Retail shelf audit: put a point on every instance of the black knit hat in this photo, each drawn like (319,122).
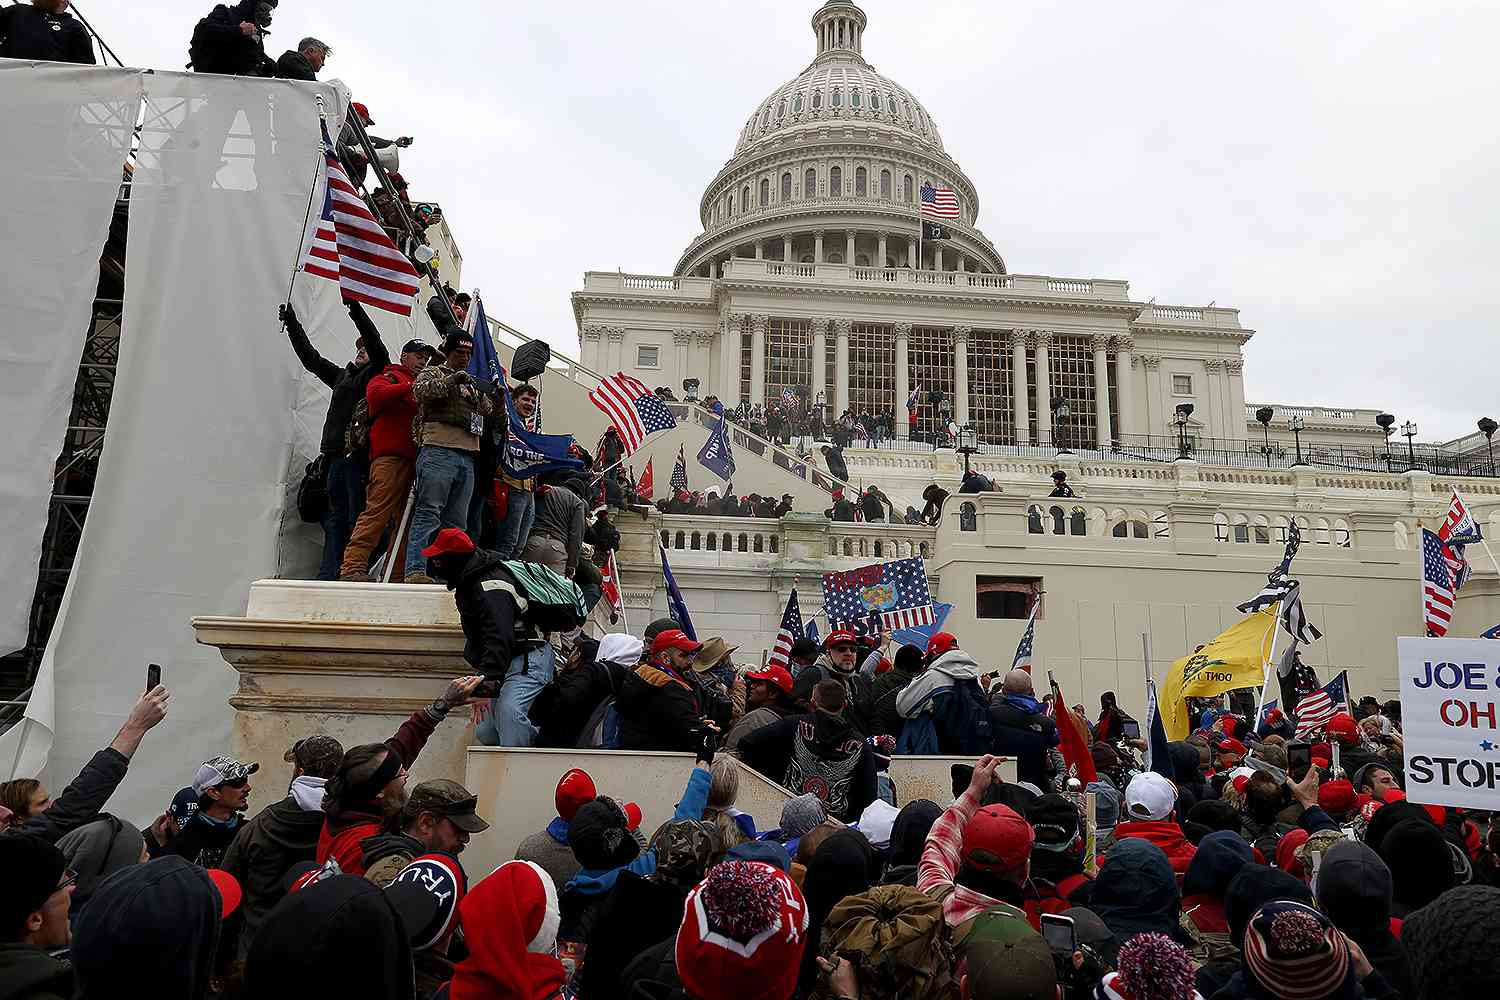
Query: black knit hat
(600,835)
(1055,821)
(32,867)
(1451,941)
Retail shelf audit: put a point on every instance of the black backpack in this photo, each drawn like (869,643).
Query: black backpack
(312,493)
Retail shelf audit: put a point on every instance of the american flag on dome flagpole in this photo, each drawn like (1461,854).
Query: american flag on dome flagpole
(790,632)
(1314,711)
(350,247)
(633,408)
(1437,586)
(895,591)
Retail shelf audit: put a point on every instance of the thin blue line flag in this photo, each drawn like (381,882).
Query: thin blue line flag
(676,607)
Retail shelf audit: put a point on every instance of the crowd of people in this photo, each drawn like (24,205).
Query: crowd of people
(1223,871)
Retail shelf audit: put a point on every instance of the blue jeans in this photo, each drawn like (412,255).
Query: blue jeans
(345,482)
(445,480)
(508,725)
(520,514)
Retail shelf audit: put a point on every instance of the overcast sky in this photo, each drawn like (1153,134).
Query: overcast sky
(1328,167)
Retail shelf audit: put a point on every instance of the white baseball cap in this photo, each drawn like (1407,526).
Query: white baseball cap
(1149,796)
(221,770)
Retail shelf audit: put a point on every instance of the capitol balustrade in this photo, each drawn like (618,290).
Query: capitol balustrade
(901,277)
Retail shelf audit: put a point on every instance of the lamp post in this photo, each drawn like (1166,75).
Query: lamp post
(1295,425)
(1184,410)
(1264,415)
(822,405)
(1487,427)
(1409,431)
(1386,422)
(968,444)
(1059,414)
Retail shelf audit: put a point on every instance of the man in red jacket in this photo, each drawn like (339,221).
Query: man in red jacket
(393,457)
(1150,802)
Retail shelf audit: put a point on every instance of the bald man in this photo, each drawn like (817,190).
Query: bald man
(1022,731)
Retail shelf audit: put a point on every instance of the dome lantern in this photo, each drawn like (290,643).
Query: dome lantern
(839,27)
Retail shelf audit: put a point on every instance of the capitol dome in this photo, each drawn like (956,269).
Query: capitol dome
(827,168)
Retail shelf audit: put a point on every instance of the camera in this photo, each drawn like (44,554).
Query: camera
(263,11)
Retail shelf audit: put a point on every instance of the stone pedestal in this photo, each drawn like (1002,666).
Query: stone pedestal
(351,661)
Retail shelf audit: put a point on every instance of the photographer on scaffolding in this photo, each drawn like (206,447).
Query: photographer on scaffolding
(231,40)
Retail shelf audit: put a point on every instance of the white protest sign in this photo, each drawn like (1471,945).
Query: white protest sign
(1450,720)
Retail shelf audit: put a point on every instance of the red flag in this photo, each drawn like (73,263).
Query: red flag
(611,577)
(1075,739)
(647,485)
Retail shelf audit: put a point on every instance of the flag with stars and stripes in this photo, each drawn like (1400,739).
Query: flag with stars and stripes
(939,202)
(633,408)
(1314,711)
(1437,586)
(1459,529)
(1028,640)
(1294,620)
(790,632)
(789,396)
(353,249)
(679,481)
(1278,583)
(895,593)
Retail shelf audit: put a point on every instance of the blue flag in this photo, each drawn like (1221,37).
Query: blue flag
(484,363)
(1158,758)
(716,455)
(922,634)
(811,631)
(676,607)
(1492,633)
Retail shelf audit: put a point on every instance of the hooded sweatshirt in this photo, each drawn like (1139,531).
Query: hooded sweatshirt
(1219,858)
(1254,886)
(950,689)
(510,925)
(97,850)
(1136,891)
(908,837)
(1420,862)
(597,881)
(155,924)
(1165,834)
(1354,890)
(283,834)
(29,973)
(337,938)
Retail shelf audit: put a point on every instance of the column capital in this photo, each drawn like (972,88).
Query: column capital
(758,322)
(820,324)
(1149,361)
(1213,365)
(1100,341)
(961,333)
(901,330)
(843,327)
(1018,338)
(616,334)
(682,337)
(820,233)
(1234,366)
(851,233)
(703,338)
(1042,338)
(593,332)
(1124,342)
(734,318)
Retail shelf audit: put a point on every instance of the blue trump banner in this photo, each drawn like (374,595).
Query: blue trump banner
(716,455)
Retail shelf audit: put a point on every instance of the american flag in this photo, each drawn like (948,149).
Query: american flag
(1314,711)
(1024,647)
(1437,586)
(789,396)
(679,481)
(790,632)
(610,574)
(1459,529)
(632,408)
(913,398)
(894,592)
(350,247)
(939,203)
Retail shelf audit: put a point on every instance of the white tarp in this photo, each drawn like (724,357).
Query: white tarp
(67,135)
(208,402)
(1450,720)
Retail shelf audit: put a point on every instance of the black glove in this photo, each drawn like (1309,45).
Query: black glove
(286,314)
(707,742)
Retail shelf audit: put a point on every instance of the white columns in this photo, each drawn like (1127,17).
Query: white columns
(729,360)
(911,254)
(1234,372)
(1156,394)
(1018,368)
(616,350)
(841,366)
(758,358)
(786,249)
(1125,382)
(849,253)
(1210,410)
(760,249)
(701,361)
(682,341)
(903,377)
(961,374)
(818,247)
(1101,390)
(962,263)
(1044,429)
(819,359)
(882,251)
(937,256)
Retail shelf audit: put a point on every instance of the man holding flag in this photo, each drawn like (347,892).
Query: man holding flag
(1235,659)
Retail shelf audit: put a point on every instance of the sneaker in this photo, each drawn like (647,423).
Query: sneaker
(356,577)
(420,578)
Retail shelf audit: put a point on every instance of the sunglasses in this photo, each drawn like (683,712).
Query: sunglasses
(237,783)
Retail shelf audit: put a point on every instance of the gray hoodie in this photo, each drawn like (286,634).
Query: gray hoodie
(948,669)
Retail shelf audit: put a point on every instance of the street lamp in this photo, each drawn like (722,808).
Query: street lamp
(1264,415)
(1295,425)
(968,444)
(1386,421)
(1409,431)
(1059,414)
(1184,410)
(822,404)
(1487,427)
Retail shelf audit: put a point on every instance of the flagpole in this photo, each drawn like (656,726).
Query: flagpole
(1266,669)
(395,545)
(1422,576)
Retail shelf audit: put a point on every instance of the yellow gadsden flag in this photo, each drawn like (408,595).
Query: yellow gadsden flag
(1236,659)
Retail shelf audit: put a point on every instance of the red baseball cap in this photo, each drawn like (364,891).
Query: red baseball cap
(997,839)
(674,638)
(941,642)
(1230,745)
(449,541)
(840,638)
(230,893)
(1343,727)
(775,674)
(632,815)
(1274,716)
(364,112)
(573,789)
(1337,796)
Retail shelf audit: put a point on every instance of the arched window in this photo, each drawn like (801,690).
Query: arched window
(817,99)
(745,198)
(835,182)
(1078,522)
(875,100)
(765,192)
(680,537)
(729,204)
(885,184)
(760,543)
(854,98)
(1241,529)
(861,182)
(781,110)
(838,97)
(810,183)
(1034,520)
(666,540)
(1341,534)
(786,186)
(697,541)
(906,189)
(744,542)
(713,542)
(879,549)
(1221,528)
(797,105)
(1262,530)
(968,517)
(902,107)
(1059,521)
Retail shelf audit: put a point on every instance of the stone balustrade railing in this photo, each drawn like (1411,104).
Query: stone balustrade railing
(1012,284)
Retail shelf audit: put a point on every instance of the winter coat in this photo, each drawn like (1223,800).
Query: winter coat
(293,65)
(1165,834)
(549,849)
(560,515)
(1219,858)
(884,689)
(1136,891)
(344,832)
(858,688)
(819,753)
(28,32)
(941,690)
(218,45)
(1023,732)
(637,913)
(1248,891)
(494,633)
(279,836)
(1354,891)
(347,384)
(908,837)
(569,700)
(340,937)
(652,975)
(660,709)
(29,973)
(201,841)
(96,851)
(756,719)
(392,408)
(156,923)
(81,801)
(452,409)
(385,854)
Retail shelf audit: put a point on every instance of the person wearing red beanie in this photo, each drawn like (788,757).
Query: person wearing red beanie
(510,923)
(743,932)
(1337,799)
